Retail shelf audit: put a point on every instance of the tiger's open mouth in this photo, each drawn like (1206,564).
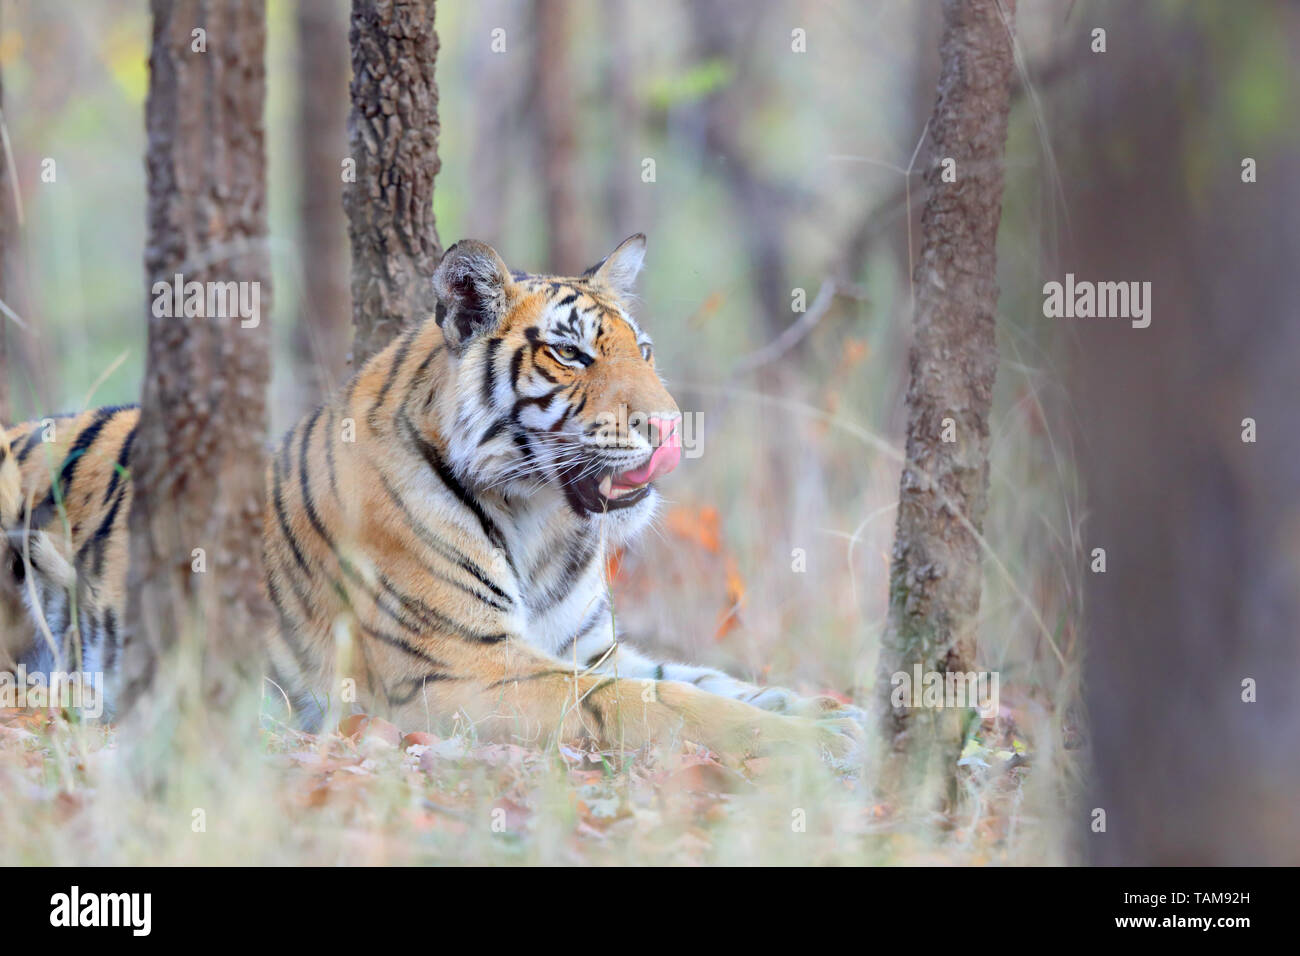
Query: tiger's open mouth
(606,491)
(597,491)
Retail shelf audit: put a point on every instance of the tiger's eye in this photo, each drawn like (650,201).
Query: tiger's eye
(566,352)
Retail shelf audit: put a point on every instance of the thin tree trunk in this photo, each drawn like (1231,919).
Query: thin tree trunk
(197,458)
(557,136)
(393,137)
(935,576)
(321,334)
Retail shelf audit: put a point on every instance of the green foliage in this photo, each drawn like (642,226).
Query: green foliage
(679,87)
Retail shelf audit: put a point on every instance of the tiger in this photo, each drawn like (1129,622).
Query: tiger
(436,534)
(65,494)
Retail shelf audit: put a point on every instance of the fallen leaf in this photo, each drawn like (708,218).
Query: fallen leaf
(364,727)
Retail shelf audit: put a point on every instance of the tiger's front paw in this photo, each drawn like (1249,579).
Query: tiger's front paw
(825,707)
(841,740)
(779,700)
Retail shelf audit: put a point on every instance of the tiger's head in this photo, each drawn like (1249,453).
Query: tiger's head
(556,383)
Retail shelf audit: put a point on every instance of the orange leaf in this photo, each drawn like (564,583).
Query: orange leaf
(364,727)
(698,525)
(613,564)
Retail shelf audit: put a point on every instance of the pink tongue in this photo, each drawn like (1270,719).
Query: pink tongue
(664,460)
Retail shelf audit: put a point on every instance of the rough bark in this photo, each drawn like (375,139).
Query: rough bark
(197,459)
(935,572)
(321,333)
(555,118)
(393,137)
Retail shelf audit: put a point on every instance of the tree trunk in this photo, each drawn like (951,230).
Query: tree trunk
(557,137)
(935,574)
(1193,713)
(393,137)
(321,334)
(197,458)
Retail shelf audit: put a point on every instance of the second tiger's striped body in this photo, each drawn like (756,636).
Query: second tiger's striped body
(65,494)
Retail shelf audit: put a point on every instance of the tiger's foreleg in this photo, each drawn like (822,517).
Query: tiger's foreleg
(509,690)
(627,662)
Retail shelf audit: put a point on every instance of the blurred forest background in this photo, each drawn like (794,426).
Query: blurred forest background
(778,170)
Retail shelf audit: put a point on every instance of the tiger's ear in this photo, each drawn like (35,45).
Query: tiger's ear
(473,288)
(618,270)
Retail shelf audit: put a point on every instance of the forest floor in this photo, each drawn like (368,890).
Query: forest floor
(371,795)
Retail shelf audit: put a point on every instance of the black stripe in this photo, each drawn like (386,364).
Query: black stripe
(493,430)
(539,400)
(353,382)
(559,422)
(423,613)
(371,673)
(592,619)
(123,459)
(592,710)
(431,540)
(489,370)
(579,556)
(525,678)
(440,468)
(110,638)
(304,483)
(403,645)
(516,363)
(594,659)
(85,438)
(288,630)
(417,685)
(99,541)
(393,371)
(313,517)
(32,440)
(277,499)
(433,618)
(418,374)
(62,481)
(521,440)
